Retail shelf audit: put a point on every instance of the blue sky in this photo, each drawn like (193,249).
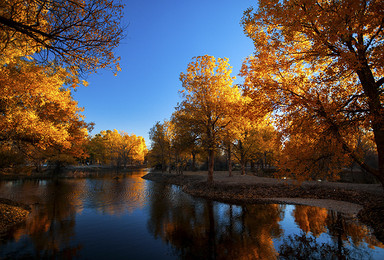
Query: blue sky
(162,37)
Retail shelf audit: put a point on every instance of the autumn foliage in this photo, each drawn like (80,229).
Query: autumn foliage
(45,46)
(39,117)
(117,148)
(213,120)
(79,35)
(318,69)
(312,99)
(210,102)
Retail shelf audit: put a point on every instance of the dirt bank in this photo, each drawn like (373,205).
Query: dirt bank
(365,201)
(11,213)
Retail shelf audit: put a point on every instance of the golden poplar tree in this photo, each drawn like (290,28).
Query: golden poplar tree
(256,142)
(160,151)
(37,112)
(319,66)
(118,148)
(35,105)
(209,101)
(186,143)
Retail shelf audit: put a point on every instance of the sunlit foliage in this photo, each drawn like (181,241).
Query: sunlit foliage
(214,116)
(117,148)
(256,142)
(35,106)
(318,69)
(44,46)
(159,154)
(77,34)
(38,115)
(210,102)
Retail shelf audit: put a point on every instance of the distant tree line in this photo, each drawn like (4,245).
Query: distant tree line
(116,148)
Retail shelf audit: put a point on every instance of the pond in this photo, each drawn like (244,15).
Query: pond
(131,218)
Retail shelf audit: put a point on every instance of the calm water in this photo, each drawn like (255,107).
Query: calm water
(132,218)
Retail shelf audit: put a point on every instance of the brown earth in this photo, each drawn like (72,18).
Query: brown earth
(12,213)
(364,201)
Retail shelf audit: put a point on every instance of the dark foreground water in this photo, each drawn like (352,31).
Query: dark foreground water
(131,218)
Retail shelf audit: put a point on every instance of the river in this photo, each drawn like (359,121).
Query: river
(132,218)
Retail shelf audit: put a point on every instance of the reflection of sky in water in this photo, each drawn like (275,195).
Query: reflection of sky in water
(122,236)
(288,222)
(137,219)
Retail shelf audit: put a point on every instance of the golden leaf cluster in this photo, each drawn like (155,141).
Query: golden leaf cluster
(117,148)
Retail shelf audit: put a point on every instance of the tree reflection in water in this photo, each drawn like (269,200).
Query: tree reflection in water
(201,229)
(68,212)
(51,223)
(210,230)
(50,228)
(346,236)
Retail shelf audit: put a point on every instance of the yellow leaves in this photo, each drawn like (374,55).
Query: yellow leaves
(84,83)
(118,147)
(213,110)
(306,72)
(75,33)
(35,106)
(117,69)
(307,29)
(311,219)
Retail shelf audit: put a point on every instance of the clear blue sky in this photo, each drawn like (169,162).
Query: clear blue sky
(162,37)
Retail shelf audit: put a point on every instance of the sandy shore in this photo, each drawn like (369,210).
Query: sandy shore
(365,201)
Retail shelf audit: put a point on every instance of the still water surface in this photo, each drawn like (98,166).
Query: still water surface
(131,218)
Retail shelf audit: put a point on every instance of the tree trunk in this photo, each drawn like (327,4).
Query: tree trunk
(379,138)
(372,90)
(242,158)
(229,160)
(163,166)
(380,175)
(211,161)
(193,161)
(170,161)
(38,166)
(265,160)
(243,167)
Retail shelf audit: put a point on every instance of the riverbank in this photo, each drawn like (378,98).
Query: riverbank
(365,201)
(12,213)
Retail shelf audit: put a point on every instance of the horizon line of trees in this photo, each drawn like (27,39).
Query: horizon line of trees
(109,148)
(116,148)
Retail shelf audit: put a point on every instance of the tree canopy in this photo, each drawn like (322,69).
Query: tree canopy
(76,34)
(35,106)
(38,116)
(117,148)
(318,65)
(210,101)
(45,45)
